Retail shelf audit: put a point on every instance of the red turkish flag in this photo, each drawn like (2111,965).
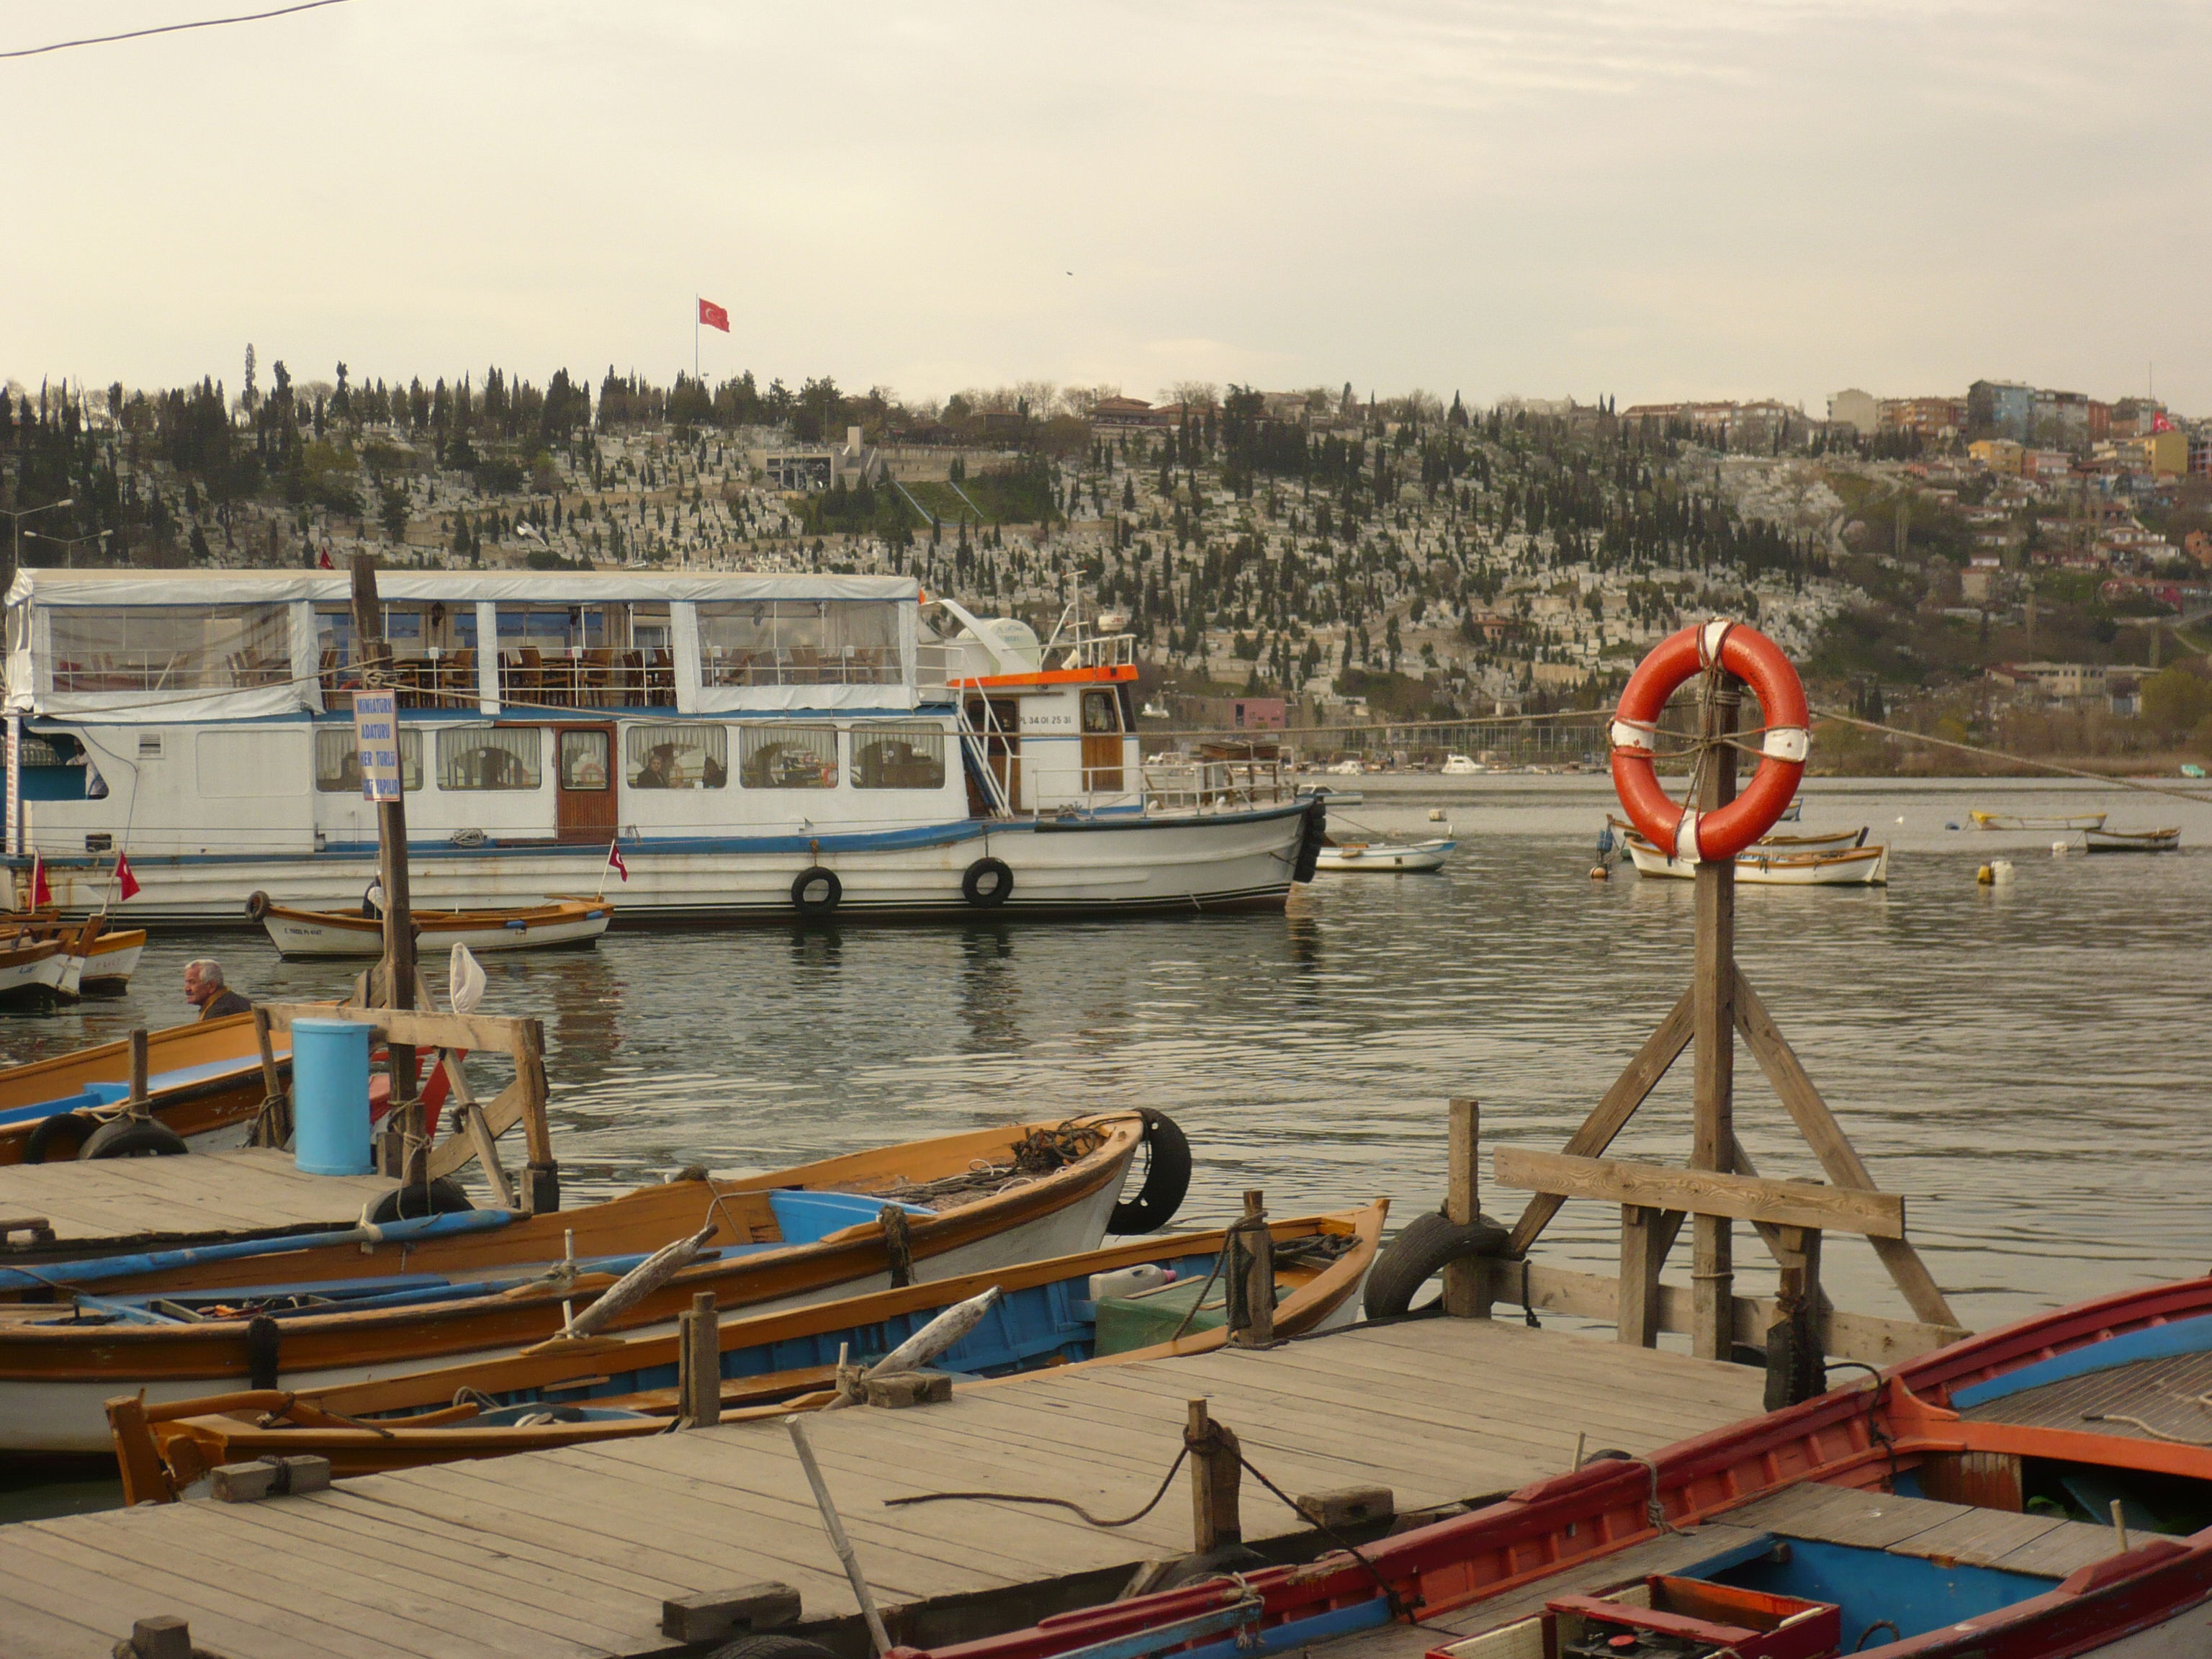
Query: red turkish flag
(615,861)
(41,894)
(713,316)
(127,883)
(2159,423)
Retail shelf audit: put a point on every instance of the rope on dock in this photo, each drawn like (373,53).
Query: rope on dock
(1057,1503)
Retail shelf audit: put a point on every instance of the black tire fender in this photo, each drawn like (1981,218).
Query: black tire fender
(1000,880)
(405,1203)
(1420,1252)
(257,905)
(1311,840)
(804,899)
(1167,1178)
(61,1136)
(772,1644)
(131,1137)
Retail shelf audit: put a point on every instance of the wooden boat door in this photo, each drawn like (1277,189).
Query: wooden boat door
(1102,743)
(584,780)
(999,723)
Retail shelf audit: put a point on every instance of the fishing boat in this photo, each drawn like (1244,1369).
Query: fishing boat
(1145,1299)
(2131,841)
(99,957)
(2040,1491)
(31,973)
(761,746)
(371,1303)
(204,1081)
(1462,766)
(1382,858)
(1830,840)
(1763,865)
(2015,821)
(558,922)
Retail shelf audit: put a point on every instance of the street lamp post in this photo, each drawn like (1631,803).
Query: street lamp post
(18,514)
(72,543)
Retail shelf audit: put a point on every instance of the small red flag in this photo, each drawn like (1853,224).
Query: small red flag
(41,894)
(128,883)
(713,316)
(324,561)
(2159,423)
(615,861)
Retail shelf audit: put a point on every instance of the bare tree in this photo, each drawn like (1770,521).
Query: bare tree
(1198,394)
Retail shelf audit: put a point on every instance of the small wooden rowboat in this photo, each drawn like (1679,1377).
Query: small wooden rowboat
(1383,858)
(1767,867)
(558,922)
(2036,1492)
(567,1394)
(31,973)
(2132,841)
(1831,840)
(363,1305)
(98,957)
(2015,821)
(204,1081)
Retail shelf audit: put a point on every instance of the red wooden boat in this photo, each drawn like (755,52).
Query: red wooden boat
(2041,1492)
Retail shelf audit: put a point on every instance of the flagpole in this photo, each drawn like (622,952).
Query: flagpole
(600,891)
(695,375)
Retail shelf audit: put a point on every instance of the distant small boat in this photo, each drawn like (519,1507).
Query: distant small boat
(2192,769)
(1831,841)
(340,933)
(1462,766)
(1383,858)
(2015,821)
(1852,866)
(2131,841)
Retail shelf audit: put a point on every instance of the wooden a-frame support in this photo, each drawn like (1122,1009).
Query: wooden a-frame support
(1721,1182)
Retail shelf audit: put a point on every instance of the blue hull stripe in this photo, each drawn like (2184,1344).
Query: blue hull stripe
(2154,1342)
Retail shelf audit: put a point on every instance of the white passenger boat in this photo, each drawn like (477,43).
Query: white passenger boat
(1765,867)
(562,921)
(758,746)
(1383,858)
(1462,766)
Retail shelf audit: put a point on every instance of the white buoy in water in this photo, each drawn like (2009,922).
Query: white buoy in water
(2058,849)
(1997,872)
(1436,814)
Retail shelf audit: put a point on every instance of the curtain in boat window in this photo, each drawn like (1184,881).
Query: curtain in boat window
(898,754)
(170,647)
(491,757)
(799,642)
(786,755)
(338,760)
(676,756)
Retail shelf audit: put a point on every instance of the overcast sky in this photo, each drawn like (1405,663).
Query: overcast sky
(1645,198)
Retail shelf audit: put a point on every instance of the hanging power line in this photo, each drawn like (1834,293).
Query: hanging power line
(2108,779)
(171,28)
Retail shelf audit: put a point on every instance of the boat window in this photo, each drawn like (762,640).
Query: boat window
(433,645)
(676,756)
(799,642)
(898,754)
(553,627)
(1100,713)
(491,757)
(169,647)
(583,761)
(788,757)
(338,760)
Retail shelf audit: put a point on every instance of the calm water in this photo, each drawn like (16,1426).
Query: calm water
(2028,1064)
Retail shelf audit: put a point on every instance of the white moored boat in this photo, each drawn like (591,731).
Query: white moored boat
(1765,867)
(759,746)
(1383,858)
(2015,821)
(1832,841)
(30,974)
(561,922)
(1462,766)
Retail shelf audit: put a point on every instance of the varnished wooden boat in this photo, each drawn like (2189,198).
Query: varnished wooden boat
(1765,867)
(2048,821)
(354,1310)
(2132,841)
(558,922)
(205,1082)
(99,957)
(31,973)
(1832,841)
(2040,1491)
(571,1394)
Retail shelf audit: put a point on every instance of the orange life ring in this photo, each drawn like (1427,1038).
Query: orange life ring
(1683,832)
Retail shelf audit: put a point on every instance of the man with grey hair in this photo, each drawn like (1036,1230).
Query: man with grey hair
(204,989)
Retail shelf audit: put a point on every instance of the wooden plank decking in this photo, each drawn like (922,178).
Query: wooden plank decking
(241,1189)
(572,1552)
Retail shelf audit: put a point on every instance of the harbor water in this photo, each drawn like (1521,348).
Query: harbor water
(2026,1063)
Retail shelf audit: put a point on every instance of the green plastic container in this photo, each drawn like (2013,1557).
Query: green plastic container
(1152,1317)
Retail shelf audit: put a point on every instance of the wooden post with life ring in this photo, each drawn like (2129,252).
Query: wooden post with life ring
(1720,1185)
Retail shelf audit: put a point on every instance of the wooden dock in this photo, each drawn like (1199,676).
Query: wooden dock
(572,1551)
(244,1189)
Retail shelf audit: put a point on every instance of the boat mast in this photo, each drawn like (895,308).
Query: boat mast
(393,983)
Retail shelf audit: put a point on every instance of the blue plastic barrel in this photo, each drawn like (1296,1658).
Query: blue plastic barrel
(329,1096)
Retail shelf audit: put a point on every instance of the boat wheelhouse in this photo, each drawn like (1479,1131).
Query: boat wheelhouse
(755,745)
